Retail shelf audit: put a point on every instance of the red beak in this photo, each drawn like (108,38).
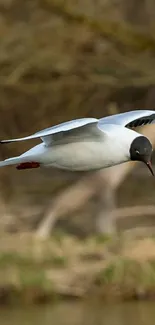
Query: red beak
(149,165)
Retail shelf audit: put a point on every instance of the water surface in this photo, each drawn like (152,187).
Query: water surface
(81,314)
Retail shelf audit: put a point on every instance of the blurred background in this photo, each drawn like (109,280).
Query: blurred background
(75,235)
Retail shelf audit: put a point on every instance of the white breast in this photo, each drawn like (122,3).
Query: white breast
(85,155)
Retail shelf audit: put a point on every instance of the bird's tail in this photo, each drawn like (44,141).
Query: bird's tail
(20,162)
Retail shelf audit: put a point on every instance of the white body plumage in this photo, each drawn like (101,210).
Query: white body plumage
(84,144)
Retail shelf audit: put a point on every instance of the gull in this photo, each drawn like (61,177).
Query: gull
(88,143)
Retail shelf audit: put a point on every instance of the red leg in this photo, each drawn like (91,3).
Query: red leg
(28,165)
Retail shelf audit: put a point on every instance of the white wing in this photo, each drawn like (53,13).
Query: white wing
(49,134)
(130,119)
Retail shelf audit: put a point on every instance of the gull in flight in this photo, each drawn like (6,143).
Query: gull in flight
(89,143)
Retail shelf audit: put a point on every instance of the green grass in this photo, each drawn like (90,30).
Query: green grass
(25,260)
(53,269)
(33,278)
(131,279)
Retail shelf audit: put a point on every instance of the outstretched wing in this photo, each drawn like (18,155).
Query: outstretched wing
(60,130)
(130,119)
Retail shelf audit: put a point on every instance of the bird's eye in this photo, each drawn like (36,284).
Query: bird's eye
(137,152)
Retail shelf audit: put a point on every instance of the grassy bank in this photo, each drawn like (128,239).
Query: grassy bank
(63,267)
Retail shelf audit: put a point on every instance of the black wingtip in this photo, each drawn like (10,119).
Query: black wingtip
(4,141)
(144,120)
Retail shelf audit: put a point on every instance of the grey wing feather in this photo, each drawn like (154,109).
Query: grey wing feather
(50,134)
(130,119)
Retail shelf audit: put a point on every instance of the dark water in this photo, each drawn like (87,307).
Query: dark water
(81,314)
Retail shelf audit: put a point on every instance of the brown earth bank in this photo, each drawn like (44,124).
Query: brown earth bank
(35,271)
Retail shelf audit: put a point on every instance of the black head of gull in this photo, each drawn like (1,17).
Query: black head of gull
(141,150)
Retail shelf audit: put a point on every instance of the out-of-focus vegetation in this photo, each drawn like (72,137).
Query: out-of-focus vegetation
(65,267)
(61,60)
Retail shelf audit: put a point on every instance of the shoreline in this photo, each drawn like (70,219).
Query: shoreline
(35,271)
